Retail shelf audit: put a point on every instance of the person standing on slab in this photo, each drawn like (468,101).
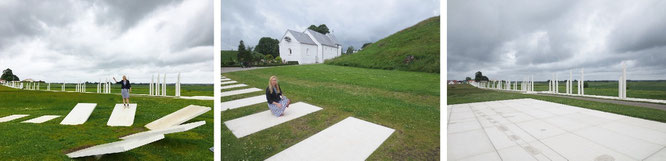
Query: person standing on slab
(277,102)
(125,89)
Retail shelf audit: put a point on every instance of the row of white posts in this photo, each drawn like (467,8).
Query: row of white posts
(81,87)
(554,84)
(104,87)
(158,88)
(14,84)
(526,85)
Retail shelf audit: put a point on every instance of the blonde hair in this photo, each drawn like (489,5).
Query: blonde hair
(277,86)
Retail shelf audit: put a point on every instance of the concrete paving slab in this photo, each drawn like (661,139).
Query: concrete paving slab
(250,124)
(11,117)
(349,139)
(240,91)
(41,119)
(115,147)
(490,156)
(658,156)
(79,114)
(633,147)
(225,79)
(169,130)
(122,115)
(178,117)
(244,102)
(528,129)
(228,82)
(233,86)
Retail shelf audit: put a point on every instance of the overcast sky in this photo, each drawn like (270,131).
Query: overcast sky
(75,40)
(510,39)
(353,22)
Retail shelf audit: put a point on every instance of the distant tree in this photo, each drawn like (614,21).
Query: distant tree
(478,77)
(8,75)
(268,46)
(244,54)
(585,85)
(323,29)
(268,58)
(365,45)
(350,50)
(468,78)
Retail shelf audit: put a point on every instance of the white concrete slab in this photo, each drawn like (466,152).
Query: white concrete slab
(178,117)
(250,124)
(224,79)
(115,147)
(658,156)
(122,115)
(197,97)
(11,117)
(228,82)
(79,114)
(169,130)
(244,102)
(233,86)
(240,91)
(349,139)
(633,147)
(528,129)
(41,119)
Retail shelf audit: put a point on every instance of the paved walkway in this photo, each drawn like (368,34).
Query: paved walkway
(528,129)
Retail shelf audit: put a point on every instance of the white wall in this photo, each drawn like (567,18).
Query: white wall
(293,45)
(308,53)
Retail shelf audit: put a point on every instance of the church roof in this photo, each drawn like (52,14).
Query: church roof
(301,37)
(323,39)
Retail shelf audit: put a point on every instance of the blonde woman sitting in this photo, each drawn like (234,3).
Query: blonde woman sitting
(277,102)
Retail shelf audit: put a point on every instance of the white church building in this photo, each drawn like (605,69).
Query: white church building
(308,47)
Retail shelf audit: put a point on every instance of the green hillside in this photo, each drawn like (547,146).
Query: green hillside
(420,41)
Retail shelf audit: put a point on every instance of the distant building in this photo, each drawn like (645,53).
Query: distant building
(28,80)
(308,47)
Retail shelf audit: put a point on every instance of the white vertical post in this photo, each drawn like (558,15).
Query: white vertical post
(582,82)
(150,86)
(157,91)
(624,80)
(164,85)
(178,86)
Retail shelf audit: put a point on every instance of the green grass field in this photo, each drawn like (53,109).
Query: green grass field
(462,93)
(51,141)
(420,41)
(405,101)
(642,89)
(185,89)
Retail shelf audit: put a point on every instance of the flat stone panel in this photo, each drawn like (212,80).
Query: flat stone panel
(122,115)
(228,82)
(11,117)
(41,119)
(658,156)
(574,147)
(633,147)
(244,102)
(169,130)
(240,91)
(79,114)
(178,117)
(115,147)
(349,139)
(233,86)
(468,144)
(224,79)
(250,124)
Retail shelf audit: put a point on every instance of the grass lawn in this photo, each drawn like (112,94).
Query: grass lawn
(405,101)
(185,89)
(462,93)
(51,141)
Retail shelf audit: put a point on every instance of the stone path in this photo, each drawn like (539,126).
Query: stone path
(243,102)
(250,124)
(349,139)
(41,119)
(233,86)
(122,115)
(228,82)
(528,129)
(11,117)
(79,114)
(240,91)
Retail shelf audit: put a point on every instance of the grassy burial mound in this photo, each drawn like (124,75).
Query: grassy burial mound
(51,140)
(394,52)
(405,101)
